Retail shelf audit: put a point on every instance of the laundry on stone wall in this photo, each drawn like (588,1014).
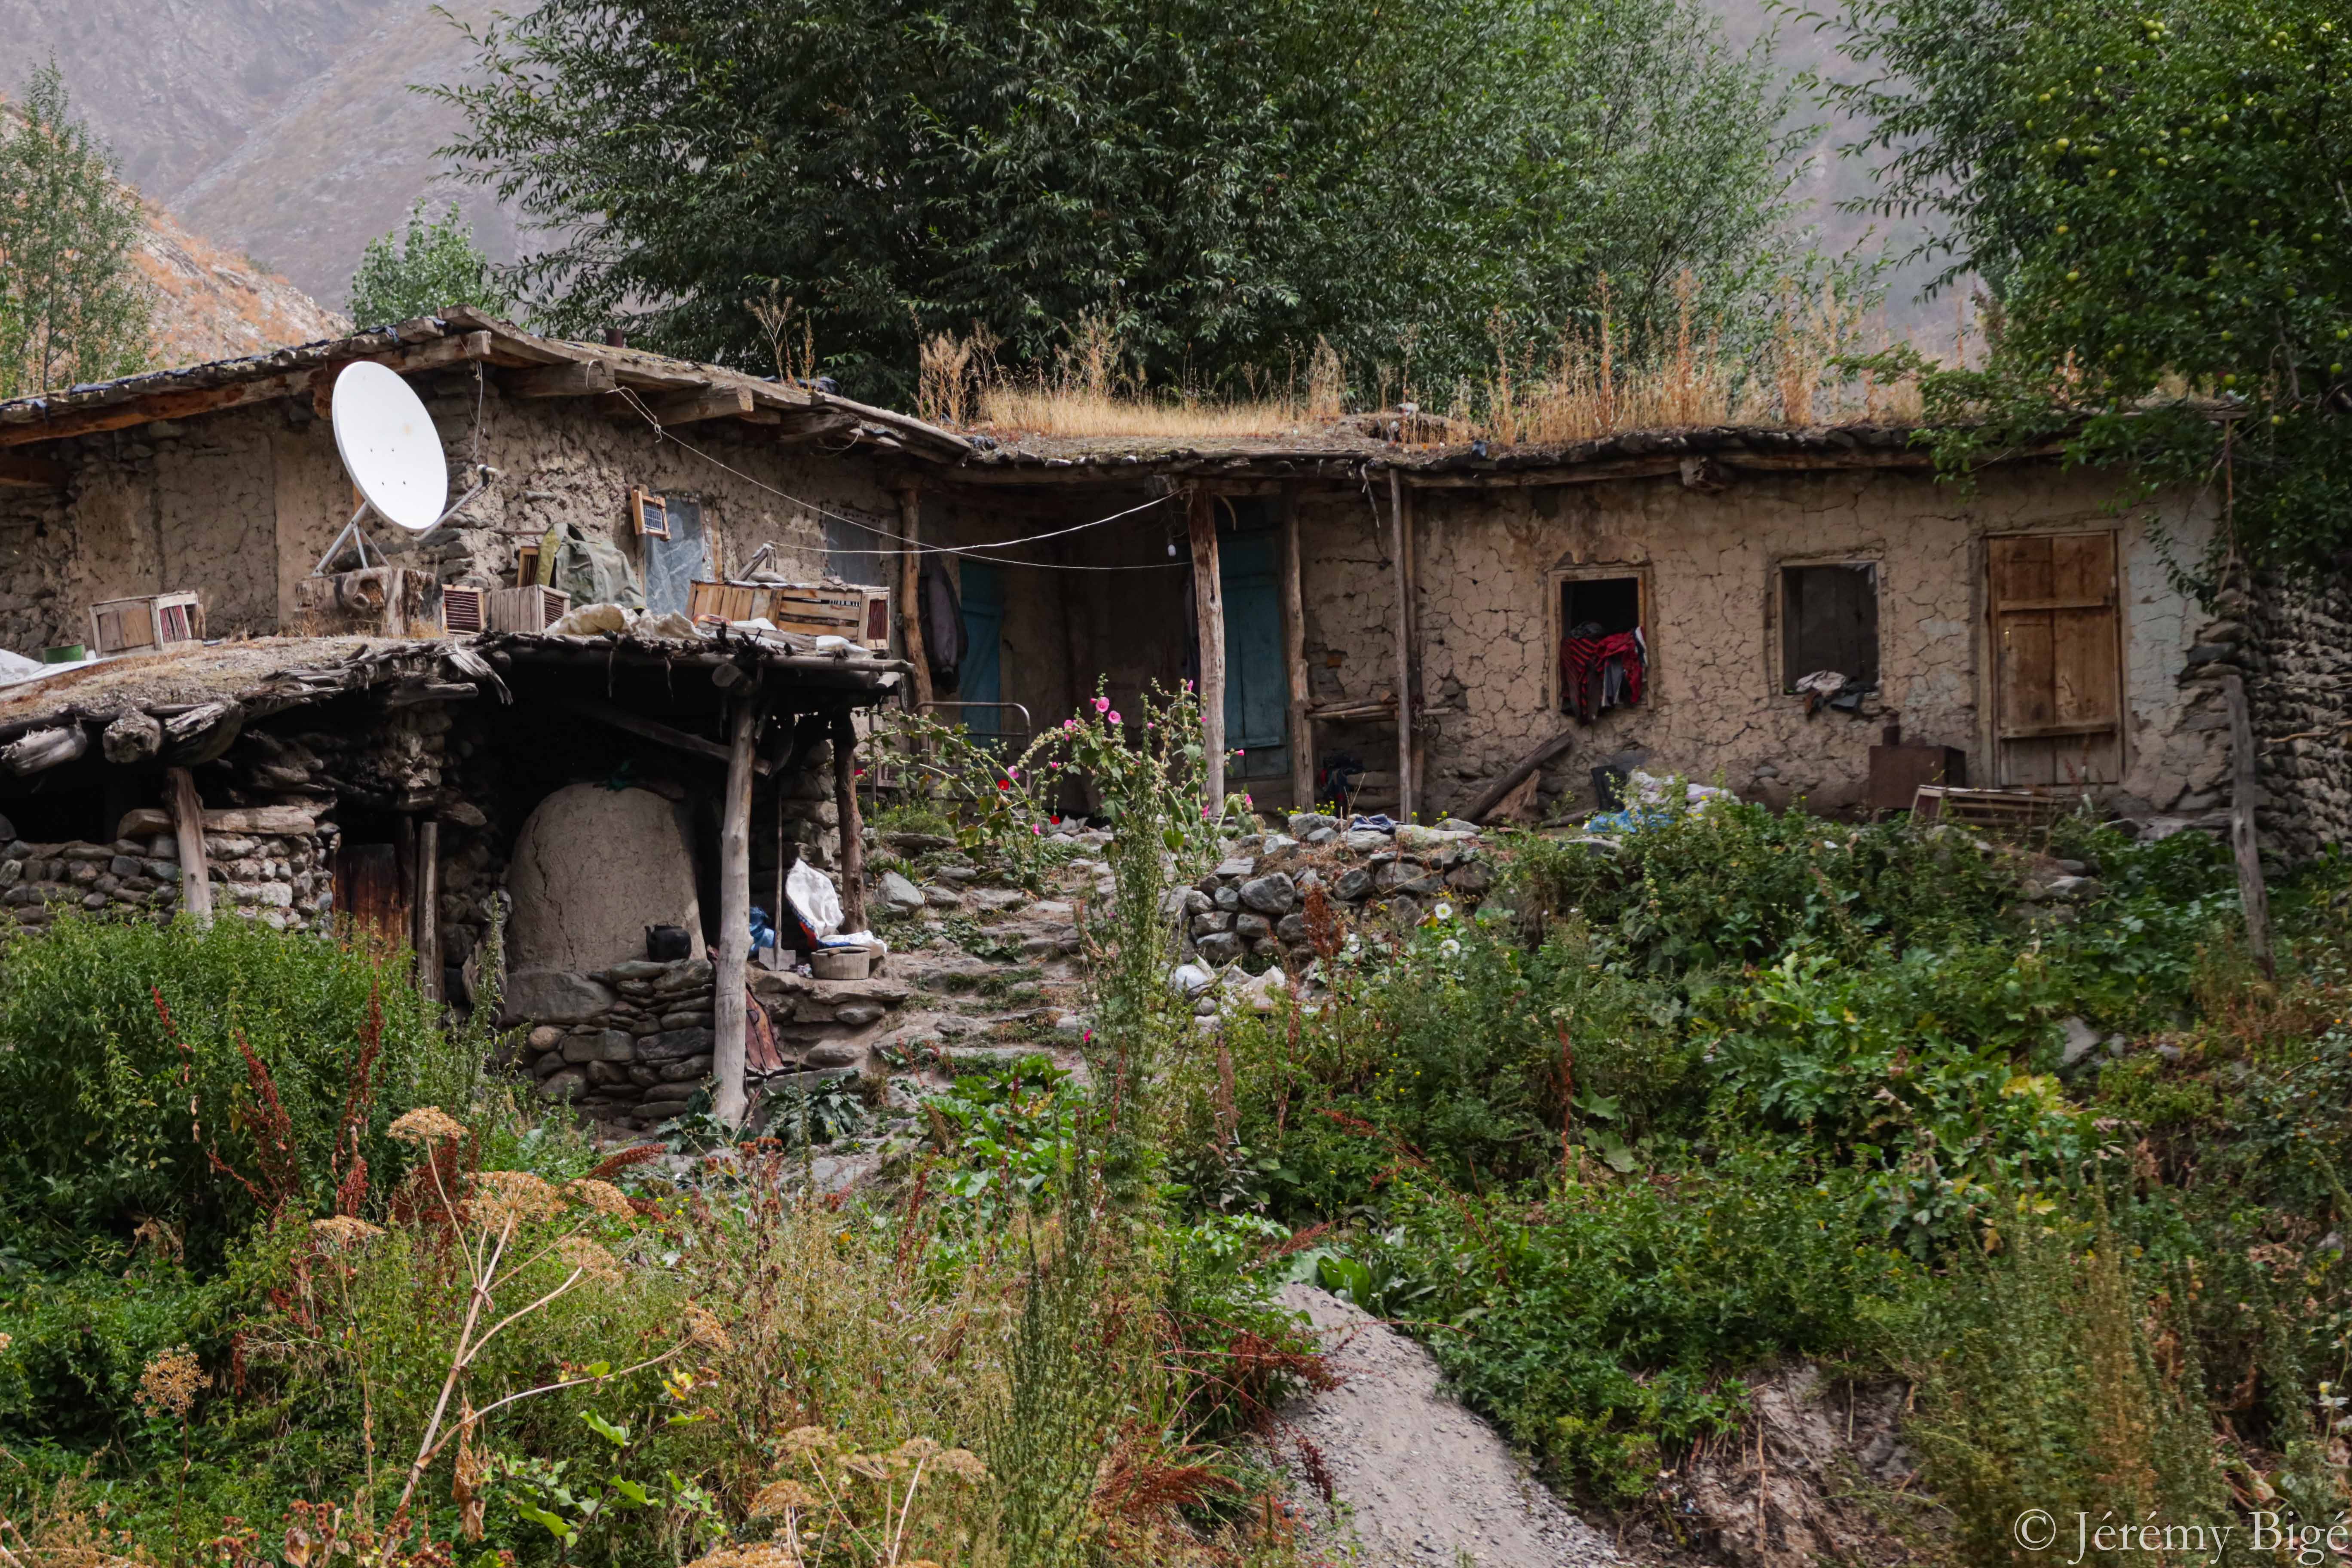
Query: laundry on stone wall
(1599,670)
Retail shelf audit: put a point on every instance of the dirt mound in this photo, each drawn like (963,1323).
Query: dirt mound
(1411,1476)
(1819,1475)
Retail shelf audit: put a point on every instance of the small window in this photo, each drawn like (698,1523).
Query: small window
(1600,606)
(1829,620)
(1605,652)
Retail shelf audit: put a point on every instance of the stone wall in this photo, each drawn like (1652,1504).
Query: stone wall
(280,879)
(633,1043)
(2292,640)
(1251,909)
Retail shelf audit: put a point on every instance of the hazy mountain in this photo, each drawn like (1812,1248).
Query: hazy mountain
(282,128)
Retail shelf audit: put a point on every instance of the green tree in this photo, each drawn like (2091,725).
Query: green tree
(427,266)
(2154,193)
(73,306)
(1217,182)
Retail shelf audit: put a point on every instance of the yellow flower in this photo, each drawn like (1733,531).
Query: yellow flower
(602,1196)
(342,1233)
(427,1124)
(589,1259)
(516,1195)
(170,1383)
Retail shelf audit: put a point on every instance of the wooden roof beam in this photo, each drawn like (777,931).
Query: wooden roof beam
(691,407)
(581,378)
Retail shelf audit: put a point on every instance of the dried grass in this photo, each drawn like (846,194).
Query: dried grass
(1582,387)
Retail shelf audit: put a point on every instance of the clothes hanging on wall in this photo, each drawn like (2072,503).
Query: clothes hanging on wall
(1600,670)
(945,641)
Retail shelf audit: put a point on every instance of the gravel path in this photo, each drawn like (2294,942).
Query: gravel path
(1421,1482)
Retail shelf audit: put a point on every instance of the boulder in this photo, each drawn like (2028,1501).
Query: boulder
(1235,867)
(592,869)
(602,1045)
(1253,928)
(1303,823)
(1224,947)
(1273,895)
(1352,885)
(675,1045)
(1364,841)
(554,996)
(568,1084)
(901,894)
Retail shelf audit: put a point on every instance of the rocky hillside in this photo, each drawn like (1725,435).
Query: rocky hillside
(213,303)
(284,128)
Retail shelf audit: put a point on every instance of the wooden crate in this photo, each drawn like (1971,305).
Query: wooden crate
(850,610)
(531,609)
(462,610)
(1988,807)
(145,624)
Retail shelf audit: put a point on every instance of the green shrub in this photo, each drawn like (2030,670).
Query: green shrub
(108,1117)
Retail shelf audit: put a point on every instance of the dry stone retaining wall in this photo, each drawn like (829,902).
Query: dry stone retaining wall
(281,880)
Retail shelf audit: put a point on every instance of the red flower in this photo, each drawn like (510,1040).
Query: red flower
(1004,784)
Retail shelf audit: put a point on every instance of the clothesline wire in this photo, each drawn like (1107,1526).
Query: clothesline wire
(911,546)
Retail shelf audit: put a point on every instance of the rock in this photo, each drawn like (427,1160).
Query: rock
(591,870)
(1270,895)
(1291,928)
(546,1037)
(2081,1041)
(1277,844)
(857,1015)
(548,1066)
(1253,928)
(1210,924)
(1221,948)
(899,893)
(1235,867)
(1190,979)
(1303,823)
(1195,903)
(1323,836)
(675,1045)
(2073,889)
(605,1045)
(1263,992)
(1472,876)
(554,996)
(568,1084)
(1227,899)
(1365,841)
(638,969)
(940,896)
(609,1074)
(686,1070)
(998,898)
(1455,824)
(1352,885)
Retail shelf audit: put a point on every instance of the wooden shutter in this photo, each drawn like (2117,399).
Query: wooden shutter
(368,894)
(2057,658)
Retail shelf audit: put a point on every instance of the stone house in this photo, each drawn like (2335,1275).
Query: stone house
(2024,635)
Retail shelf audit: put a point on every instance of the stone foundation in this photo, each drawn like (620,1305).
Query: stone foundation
(1251,907)
(281,880)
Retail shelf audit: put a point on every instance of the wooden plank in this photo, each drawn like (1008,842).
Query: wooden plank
(1209,607)
(367,894)
(34,473)
(188,826)
(729,1099)
(2028,695)
(2083,676)
(911,598)
(428,908)
(1293,634)
(653,729)
(583,378)
(1512,777)
(691,407)
(2245,784)
(852,827)
(1400,533)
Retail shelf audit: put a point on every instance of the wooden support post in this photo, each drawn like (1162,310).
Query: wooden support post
(188,827)
(2244,784)
(1400,546)
(853,829)
(428,908)
(1293,635)
(910,597)
(1209,604)
(730,997)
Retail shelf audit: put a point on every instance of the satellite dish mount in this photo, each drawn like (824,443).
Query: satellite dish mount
(394,456)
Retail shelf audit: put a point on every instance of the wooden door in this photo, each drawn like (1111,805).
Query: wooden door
(2057,649)
(368,894)
(980,681)
(1257,682)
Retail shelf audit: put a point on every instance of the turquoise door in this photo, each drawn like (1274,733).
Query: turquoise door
(1257,696)
(980,680)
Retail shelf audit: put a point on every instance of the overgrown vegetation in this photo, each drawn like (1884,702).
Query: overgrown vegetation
(427,266)
(73,306)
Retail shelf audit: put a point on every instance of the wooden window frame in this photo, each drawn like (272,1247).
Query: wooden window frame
(1556,582)
(1776,613)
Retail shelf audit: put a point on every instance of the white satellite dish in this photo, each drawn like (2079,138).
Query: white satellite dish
(389,446)
(392,454)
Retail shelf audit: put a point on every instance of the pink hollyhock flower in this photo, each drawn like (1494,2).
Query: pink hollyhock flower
(1112,715)
(1102,704)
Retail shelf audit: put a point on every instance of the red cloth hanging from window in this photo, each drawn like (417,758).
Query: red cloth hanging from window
(1584,668)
